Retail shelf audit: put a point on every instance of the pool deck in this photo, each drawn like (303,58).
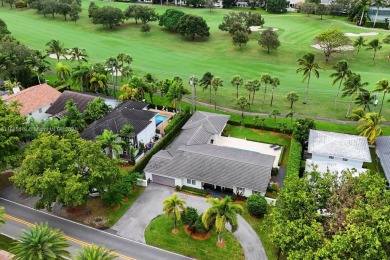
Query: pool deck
(169,115)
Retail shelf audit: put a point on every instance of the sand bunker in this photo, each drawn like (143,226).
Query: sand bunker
(258,28)
(116,73)
(341,48)
(360,34)
(62,57)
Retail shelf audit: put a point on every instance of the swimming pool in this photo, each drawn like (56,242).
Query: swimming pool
(160,119)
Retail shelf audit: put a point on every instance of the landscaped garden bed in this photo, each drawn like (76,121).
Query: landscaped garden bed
(159,234)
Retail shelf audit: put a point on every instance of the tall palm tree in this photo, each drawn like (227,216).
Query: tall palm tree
(369,126)
(237,81)
(266,79)
(275,82)
(308,66)
(109,140)
(377,3)
(128,132)
(274,114)
(55,47)
(221,212)
(292,97)
(242,103)
(15,104)
(2,216)
(176,92)
(94,253)
(290,115)
(353,86)
(38,63)
(252,86)
(63,72)
(174,205)
(365,99)
(82,75)
(342,71)
(360,42)
(205,82)
(78,54)
(126,72)
(121,57)
(41,242)
(98,82)
(216,83)
(128,59)
(374,45)
(384,87)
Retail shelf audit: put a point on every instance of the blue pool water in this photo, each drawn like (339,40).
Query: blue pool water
(160,119)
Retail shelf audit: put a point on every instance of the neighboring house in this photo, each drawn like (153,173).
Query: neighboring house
(129,112)
(35,100)
(337,152)
(383,152)
(3,94)
(193,159)
(81,99)
(383,14)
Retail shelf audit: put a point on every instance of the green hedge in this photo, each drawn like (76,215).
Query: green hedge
(194,191)
(139,167)
(294,159)
(251,125)
(175,120)
(281,156)
(381,25)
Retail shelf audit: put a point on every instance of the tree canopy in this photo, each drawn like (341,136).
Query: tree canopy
(170,19)
(332,41)
(191,25)
(107,16)
(269,39)
(277,6)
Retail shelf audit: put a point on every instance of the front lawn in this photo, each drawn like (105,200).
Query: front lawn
(159,234)
(5,242)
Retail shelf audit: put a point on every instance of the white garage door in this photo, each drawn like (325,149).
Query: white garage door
(163,180)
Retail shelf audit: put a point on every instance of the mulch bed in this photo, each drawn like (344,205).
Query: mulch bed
(197,236)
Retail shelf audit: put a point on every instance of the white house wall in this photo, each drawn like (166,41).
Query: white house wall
(113,103)
(39,116)
(198,184)
(148,133)
(325,159)
(247,192)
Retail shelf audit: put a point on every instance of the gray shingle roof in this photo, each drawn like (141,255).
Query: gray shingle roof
(339,145)
(383,152)
(122,115)
(190,156)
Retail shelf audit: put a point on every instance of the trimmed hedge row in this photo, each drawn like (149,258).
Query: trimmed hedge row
(139,167)
(267,128)
(381,25)
(194,191)
(294,159)
(174,122)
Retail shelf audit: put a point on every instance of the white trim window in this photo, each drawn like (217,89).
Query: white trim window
(191,182)
(255,192)
(240,190)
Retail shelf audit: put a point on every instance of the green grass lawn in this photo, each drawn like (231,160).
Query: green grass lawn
(166,54)
(5,242)
(159,234)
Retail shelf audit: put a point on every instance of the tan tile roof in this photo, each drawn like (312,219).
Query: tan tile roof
(35,97)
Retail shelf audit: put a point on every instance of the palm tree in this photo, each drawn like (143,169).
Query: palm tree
(221,212)
(216,83)
(242,103)
(174,205)
(374,45)
(369,126)
(128,59)
(307,67)
(176,92)
(292,97)
(2,216)
(205,82)
(98,82)
(275,82)
(290,115)
(82,75)
(78,54)
(360,42)
(365,99)
(128,132)
(365,5)
(265,78)
(42,243)
(15,104)
(55,47)
(109,140)
(237,81)
(252,86)
(384,87)
(126,72)
(94,253)
(357,114)
(63,72)
(121,57)
(352,88)
(377,3)
(342,71)
(274,114)
(38,63)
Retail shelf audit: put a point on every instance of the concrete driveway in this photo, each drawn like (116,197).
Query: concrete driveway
(149,205)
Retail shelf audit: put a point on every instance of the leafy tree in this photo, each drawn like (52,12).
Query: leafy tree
(75,9)
(301,129)
(170,19)
(174,205)
(308,8)
(260,122)
(384,87)
(41,242)
(191,25)
(74,118)
(332,41)
(92,8)
(227,3)
(146,14)
(269,39)
(94,253)
(189,216)
(78,54)
(10,2)
(96,109)
(277,6)
(374,45)
(110,140)
(145,28)
(257,205)
(275,82)
(176,92)
(353,86)
(55,47)
(220,212)
(63,9)
(237,81)
(209,4)
(216,82)
(3,28)
(308,66)
(81,76)
(342,71)
(98,82)
(199,226)
(266,79)
(322,10)
(240,21)
(240,38)
(107,16)
(205,82)
(369,126)
(130,93)
(292,97)
(242,103)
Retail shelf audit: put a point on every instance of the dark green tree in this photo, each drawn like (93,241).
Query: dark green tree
(277,6)
(107,16)
(240,38)
(192,25)
(96,109)
(269,39)
(205,82)
(301,129)
(170,19)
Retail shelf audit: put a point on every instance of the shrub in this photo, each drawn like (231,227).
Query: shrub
(257,205)
(190,217)
(275,171)
(294,159)
(200,228)
(194,191)
(272,188)
(178,188)
(170,19)
(113,197)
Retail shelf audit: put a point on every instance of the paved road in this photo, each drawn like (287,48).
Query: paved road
(18,216)
(133,223)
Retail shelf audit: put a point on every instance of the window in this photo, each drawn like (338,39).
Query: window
(193,182)
(190,181)
(331,157)
(255,192)
(40,110)
(240,189)
(345,159)
(30,114)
